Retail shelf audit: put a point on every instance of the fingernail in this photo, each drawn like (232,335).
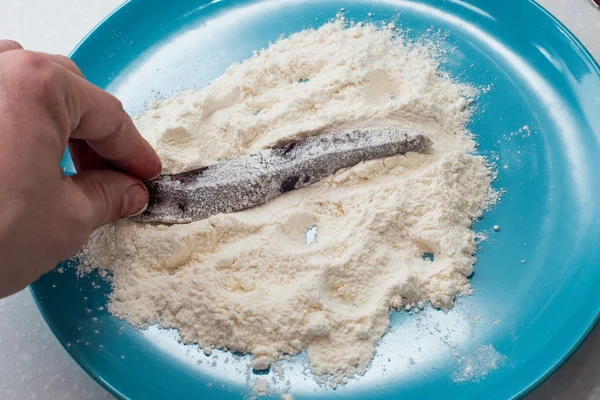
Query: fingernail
(155,176)
(136,200)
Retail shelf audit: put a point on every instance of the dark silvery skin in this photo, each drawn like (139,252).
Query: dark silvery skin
(240,183)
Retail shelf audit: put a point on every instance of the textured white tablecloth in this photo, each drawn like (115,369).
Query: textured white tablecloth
(33,365)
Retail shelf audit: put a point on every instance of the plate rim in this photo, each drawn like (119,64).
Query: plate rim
(574,346)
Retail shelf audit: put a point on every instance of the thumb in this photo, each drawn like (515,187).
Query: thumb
(105,196)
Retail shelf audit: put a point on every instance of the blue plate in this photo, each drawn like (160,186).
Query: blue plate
(536,279)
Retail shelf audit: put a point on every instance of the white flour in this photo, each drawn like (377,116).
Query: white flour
(247,281)
(477,365)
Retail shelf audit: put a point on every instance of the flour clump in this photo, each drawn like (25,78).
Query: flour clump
(249,282)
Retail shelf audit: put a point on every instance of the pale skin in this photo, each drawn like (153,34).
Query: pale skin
(47,105)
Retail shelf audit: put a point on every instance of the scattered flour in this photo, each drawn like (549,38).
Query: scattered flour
(248,282)
(476,366)
(261,387)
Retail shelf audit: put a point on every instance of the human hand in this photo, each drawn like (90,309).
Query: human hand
(46,105)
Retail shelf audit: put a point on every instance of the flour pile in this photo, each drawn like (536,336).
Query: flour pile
(248,281)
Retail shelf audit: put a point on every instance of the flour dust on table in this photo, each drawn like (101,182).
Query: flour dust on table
(387,234)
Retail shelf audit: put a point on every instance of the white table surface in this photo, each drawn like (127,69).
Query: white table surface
(33,365)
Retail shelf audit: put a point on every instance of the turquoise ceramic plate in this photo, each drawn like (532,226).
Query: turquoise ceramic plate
(541,118)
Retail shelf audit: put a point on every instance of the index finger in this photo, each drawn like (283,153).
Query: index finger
(110,132)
